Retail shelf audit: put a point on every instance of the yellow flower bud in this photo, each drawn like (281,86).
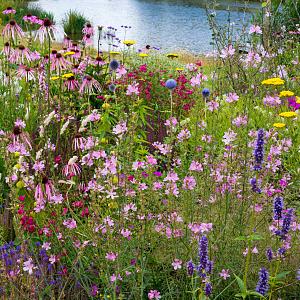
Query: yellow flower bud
(20,184)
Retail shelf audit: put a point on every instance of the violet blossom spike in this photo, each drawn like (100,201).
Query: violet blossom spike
(263,283)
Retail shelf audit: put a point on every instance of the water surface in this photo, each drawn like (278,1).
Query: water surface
(167,24)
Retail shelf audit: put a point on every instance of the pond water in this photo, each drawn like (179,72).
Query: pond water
(167,24)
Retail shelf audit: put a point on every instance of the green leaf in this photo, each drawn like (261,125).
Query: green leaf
(282,275)
(264,4)
(241,238)
(241,284)
(253,293)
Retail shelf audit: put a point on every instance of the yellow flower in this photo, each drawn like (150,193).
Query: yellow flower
(297,99)
(143,55)
(172,55)
(286,94)
(273,81)
(115,179)
(69,53)
(288,114)
(17,154)
(104,141)
(20,184)
(129,42)
(113,204)
(54,78)
(279,125)
(67,75)
(114,52)
(179,69)
(105,105)
(18,166)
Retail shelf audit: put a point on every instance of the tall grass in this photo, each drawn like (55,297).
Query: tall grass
(73,23)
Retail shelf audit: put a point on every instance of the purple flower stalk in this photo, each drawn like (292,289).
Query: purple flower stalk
(287,220)
(269,254)
(190,268)
(278,207)
(203,255)
(254,186)
(259,150)
(208,289)
(263,282)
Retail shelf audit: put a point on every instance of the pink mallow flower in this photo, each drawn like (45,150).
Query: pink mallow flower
(70,223)
(154,294)
(177,264)
(28,266)
(255,29)
(111,256)
(132,89)
(224,274)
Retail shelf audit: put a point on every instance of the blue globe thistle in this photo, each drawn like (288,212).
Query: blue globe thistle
(259,150)
(262,286)
(205,92)
(112,87)
(114,64)
(171,84)
(277,208)
(298,275)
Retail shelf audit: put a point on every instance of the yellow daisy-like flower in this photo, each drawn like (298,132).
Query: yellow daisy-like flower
(143,55)
(114,52)
(288,114)
(279,125)
(67,75)
(286,94)
(69,53)
(297,99)
(273,81)
(129,42)
(179,69)
(105,105)
(54,78)
(172,55)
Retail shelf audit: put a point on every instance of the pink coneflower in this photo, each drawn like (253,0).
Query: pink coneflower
(72,168)
(87,40)
(25,72)
(6,49)
(43,191)
(20,54)
(98,61)
(59,62)
(67,42)
(79,142)
(47,29)
(53,54)
(89,84)
(32,19)
(19,136)
(88,29)
(12,30)
(71,84)
(9,11)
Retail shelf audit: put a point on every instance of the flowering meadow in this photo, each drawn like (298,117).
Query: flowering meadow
(131,174)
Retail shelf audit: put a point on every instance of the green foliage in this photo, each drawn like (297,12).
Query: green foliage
(73,23)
